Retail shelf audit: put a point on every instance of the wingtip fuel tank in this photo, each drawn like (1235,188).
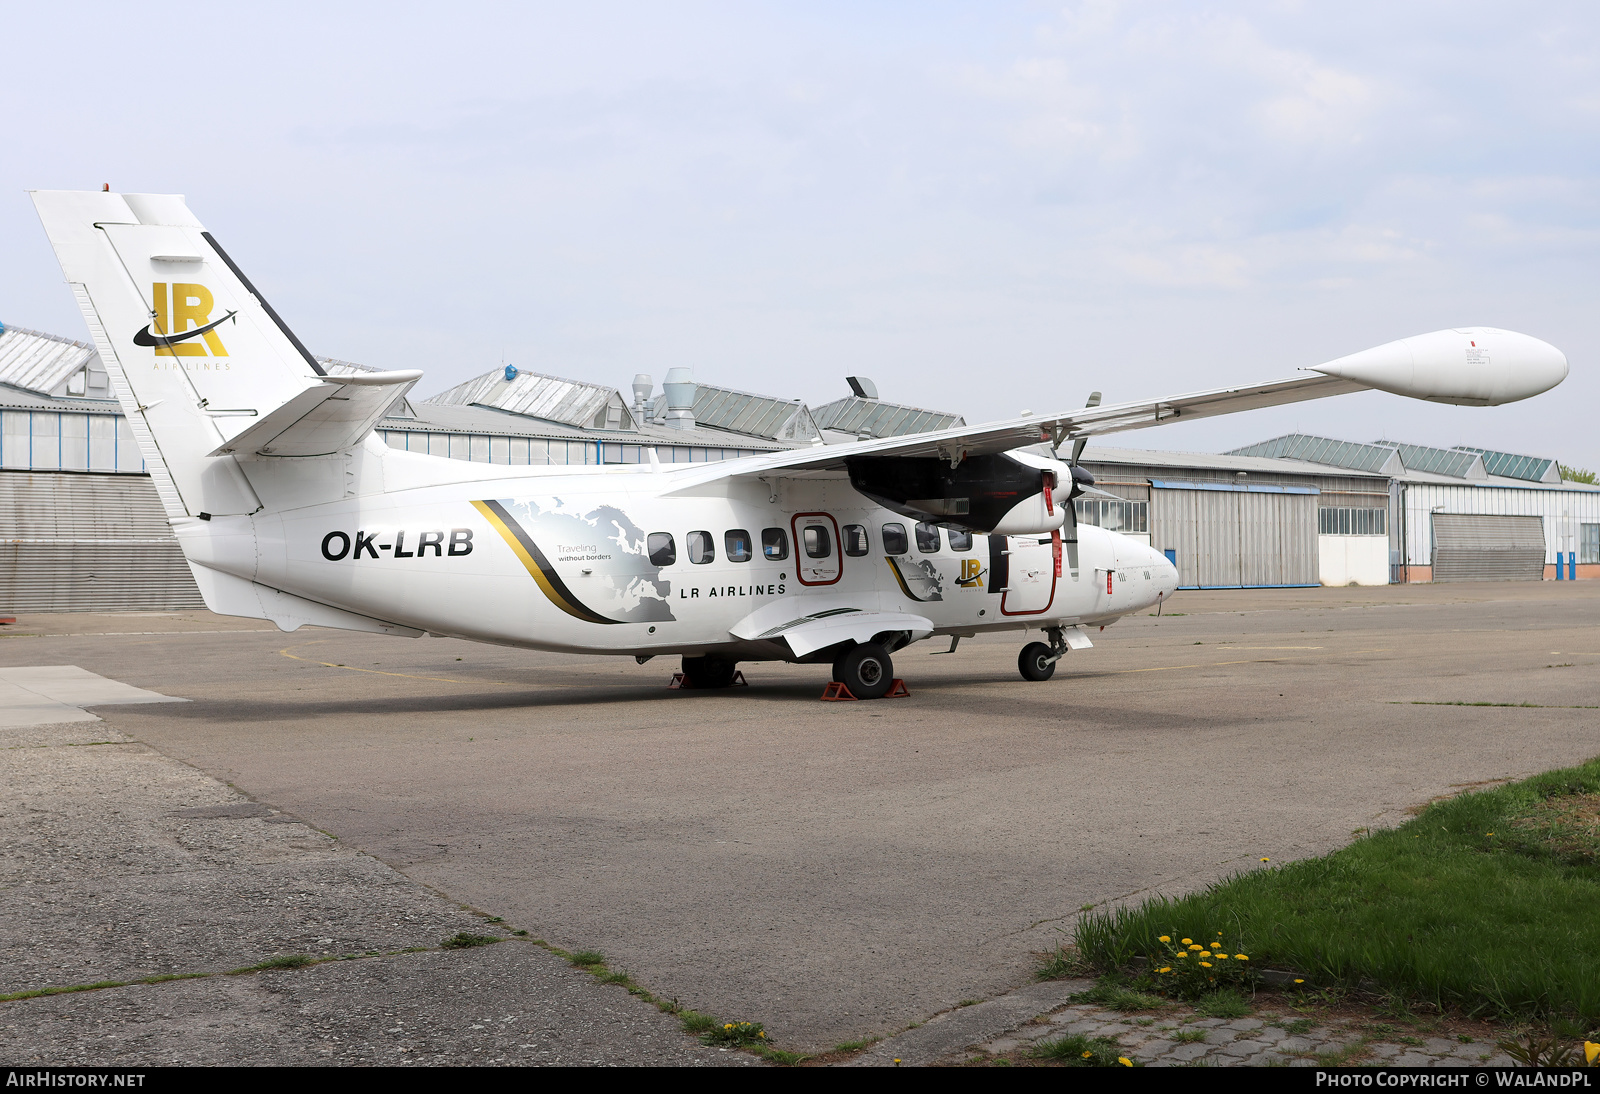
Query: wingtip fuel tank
(1469,366)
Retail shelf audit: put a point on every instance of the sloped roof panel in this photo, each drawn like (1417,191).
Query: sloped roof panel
(1300,446)
(1512,466)
(743,412)
(534,394)
(1439,461)
(876,418)
(39,362)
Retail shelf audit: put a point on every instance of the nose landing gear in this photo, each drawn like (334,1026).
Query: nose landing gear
(1037,661)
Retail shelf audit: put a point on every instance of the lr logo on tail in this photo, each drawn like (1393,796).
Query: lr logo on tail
(170,334)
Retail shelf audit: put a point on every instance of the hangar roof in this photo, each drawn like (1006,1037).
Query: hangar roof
(876,418)
(763,416)
(536,395)
(39,362)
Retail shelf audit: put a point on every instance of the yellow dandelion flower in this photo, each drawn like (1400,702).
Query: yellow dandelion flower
(1196,946)
(1167,969)
(1240,957)
(1205,964)
(1265,859)
(761,1033)
(1222,957)
(1219,934)
(1299,981)
(1590,1051)
(1166,938)
(1187,941)
(1181,955)
(1124,1061)
(1086,1055)
(728,1026)
(1205,953)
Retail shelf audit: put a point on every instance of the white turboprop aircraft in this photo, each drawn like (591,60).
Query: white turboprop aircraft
(288,508)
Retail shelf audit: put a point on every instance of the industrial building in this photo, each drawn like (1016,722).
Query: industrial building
(81,527)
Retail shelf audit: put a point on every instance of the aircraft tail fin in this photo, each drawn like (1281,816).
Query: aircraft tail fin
(195,355)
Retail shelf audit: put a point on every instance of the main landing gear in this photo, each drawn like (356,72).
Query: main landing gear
(866,670)
(708,672)
(1037,661)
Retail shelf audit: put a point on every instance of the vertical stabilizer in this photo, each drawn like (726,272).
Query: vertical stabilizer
(194,354)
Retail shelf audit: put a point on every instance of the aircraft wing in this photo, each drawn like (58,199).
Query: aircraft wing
(330,417)
(1471,366)
(961,442)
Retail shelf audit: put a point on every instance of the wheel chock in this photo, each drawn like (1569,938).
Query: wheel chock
(836,692)
(738,681)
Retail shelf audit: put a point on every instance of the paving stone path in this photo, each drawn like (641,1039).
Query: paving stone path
(1262,1039)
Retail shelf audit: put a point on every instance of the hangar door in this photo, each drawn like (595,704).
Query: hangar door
(1475,547)
(88,542)
(1227,536)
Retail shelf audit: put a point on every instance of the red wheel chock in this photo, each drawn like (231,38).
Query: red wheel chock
(738,681)
(836,692)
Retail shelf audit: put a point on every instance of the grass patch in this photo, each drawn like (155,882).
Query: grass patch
(1080,1050)
(1189,1036)
(741,1034)
(1063,964)
(695,1022)
(1223,1004)
(855,1046)
(465,941)
(1113,995)
(1483,902)
(286,961)
(100,985)
(585,958)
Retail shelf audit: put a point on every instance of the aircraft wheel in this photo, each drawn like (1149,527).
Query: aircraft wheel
(708,672)
(866,670)
(1034,662)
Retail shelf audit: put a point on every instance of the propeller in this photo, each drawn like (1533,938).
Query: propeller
(1081,478)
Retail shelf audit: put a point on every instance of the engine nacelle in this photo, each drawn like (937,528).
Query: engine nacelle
(1014,493)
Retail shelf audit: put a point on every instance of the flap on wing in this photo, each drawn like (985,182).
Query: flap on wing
(807,633)
(332,416)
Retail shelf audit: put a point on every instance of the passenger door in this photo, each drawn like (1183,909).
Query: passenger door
(816,548)
(1032,565)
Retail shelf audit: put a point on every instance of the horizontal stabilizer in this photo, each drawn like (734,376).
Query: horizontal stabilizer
(331,417)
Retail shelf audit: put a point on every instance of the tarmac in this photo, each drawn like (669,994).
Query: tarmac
(836,871)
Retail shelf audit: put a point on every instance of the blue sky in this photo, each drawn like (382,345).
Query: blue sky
(984,207)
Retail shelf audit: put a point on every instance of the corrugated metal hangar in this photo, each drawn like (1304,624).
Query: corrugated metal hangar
(81,527)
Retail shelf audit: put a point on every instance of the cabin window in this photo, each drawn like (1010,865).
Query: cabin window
(927,537)
(739,545)
(855,540)
(959,541)
(663,551)
(774,544)
(894,539)
(701,548)
(818,543)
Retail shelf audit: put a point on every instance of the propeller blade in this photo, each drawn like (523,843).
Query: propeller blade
(1077,445)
